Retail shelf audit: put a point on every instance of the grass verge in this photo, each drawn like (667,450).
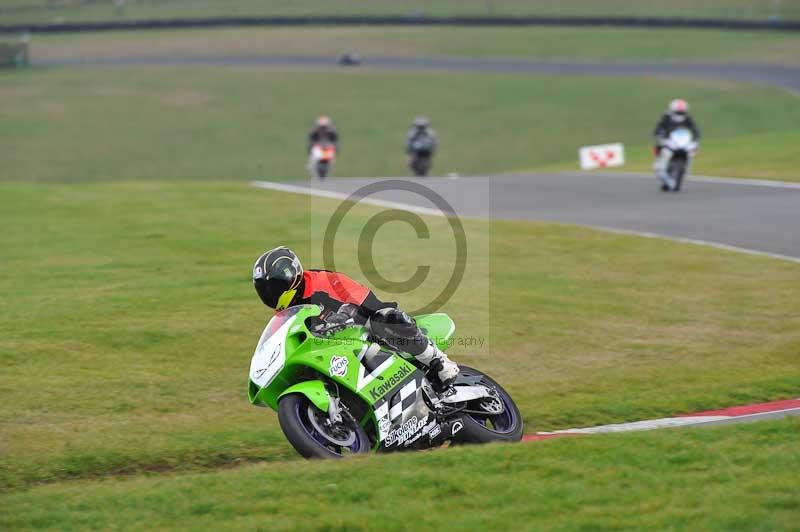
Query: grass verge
(724,478)
(244,123)
(551,44)
(133,10)
(128,321)
(727,157)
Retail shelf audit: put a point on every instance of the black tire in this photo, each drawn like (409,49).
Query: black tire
(679,178)
(676,170)
(322,170)
(507,427)
(293,416)
(421,165)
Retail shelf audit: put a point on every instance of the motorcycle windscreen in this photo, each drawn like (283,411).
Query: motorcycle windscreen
(681,137)
(270,354)
(323,152)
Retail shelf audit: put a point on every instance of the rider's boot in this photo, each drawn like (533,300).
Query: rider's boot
(660,166)
(437,360)
(398,330)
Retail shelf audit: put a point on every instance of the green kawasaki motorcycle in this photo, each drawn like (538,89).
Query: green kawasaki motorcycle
(337,393)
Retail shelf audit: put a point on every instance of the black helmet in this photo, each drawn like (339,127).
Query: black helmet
(276,276)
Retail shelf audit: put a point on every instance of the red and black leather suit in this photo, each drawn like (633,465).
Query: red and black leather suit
(330,290)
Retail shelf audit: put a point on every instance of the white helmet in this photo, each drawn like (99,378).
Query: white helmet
(678,106)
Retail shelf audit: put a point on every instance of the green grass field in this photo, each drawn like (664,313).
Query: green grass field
(552,44)
(127,315)
(133,320)
(243,123)
(40,11)
(725,478)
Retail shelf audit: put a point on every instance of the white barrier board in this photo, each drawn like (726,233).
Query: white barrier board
(602,156)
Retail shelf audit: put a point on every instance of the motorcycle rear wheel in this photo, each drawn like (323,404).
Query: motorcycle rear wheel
(304,426)
(507,426)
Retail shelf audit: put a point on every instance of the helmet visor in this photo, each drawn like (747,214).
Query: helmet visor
(270,291)
(286,299)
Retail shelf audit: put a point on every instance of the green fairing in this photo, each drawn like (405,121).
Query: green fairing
(304,350)
(314,390)
(439,328)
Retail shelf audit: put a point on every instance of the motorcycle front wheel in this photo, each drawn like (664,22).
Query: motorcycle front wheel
(421,165)
(322,170)
(310,432)
(483,424)
(676,170)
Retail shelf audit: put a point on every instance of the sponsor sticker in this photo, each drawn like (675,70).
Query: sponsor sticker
(384,424)
(425,430)
(338,366)
(258,272)
(389,383)
(406,431)
(458,425)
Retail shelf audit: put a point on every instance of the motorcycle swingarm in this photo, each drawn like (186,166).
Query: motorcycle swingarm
(469,380)
(462,394)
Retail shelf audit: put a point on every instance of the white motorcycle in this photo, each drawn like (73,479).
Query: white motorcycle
(678,150)
(321,159)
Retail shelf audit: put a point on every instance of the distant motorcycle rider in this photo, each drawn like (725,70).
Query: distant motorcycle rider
(421,143)
(677,116)
(323,131)
(281,282)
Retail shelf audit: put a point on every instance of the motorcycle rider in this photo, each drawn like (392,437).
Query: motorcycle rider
(420,131)
(323,131)
(281,282)
(677,116)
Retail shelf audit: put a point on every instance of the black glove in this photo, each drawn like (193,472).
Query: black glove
(349,310)
(332,322)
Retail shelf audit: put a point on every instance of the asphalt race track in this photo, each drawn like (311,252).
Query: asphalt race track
(786,77)
(751,216)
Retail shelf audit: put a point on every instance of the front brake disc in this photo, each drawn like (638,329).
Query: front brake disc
(337,434)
